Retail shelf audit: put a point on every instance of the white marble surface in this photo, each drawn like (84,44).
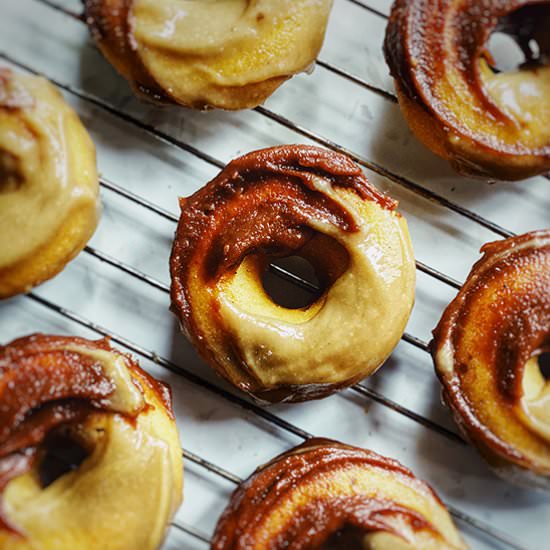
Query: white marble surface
(366,123)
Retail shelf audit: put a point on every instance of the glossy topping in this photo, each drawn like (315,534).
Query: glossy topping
(231,54)
(55,389)
(326,495)
(48,183)
(284,201)
(487,123)
(486,349)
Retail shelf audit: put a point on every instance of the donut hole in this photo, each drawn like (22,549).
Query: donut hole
(544,365)
(521,39)
(319,263)
(506,54)
(62,454)
(347,537)
(11,177)
(288,293)
(536,393)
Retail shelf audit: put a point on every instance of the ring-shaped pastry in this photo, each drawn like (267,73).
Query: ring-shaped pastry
(60,392)
(230,54)
(286,201)
(488,124)
(486,350)
(49,191)
(324,495)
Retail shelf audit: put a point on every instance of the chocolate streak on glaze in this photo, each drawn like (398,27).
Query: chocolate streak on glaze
(415,51)
(43,386)
(521,329)
(265,491)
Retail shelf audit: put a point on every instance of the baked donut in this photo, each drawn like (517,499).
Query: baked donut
(488,124)
(486,350)
(59,393)
(49,192)
(325,495)
(292,201)
(229,55)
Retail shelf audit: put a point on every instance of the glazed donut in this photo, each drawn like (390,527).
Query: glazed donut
(54,390)
(486,350)
(49,192)
(285,201)
(325,495)
(485,123)
(229,55)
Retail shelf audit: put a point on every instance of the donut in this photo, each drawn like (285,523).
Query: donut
(59,393)
(49,191)
(486,123)
(327,495)
(228,55)
(487,349)
(292,201)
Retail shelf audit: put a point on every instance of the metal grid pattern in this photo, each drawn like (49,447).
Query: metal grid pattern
(482,532)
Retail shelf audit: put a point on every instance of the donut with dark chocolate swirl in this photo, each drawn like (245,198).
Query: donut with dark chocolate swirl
(85,434)
(488,351)
(487,123)
(292,201)
(326,495)
(227,55)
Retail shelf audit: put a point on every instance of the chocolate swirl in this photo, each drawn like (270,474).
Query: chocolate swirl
(228,55)
(44,385)
(55,389)
(486,350)
(324,494)
(292,200)
(456,102)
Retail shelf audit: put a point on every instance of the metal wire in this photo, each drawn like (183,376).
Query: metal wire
(191,377)
(369,8)
(375,167)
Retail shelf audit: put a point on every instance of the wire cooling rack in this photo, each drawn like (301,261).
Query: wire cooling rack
(118,287)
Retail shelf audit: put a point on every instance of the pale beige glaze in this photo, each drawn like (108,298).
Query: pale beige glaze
(49,204)
(202,52)
(349,332)
(123,495)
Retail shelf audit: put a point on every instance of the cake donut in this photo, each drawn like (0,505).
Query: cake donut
(292,201)
(325,495)
(61,392)
(230,55)
(49,191)
(486,123)
(486,350)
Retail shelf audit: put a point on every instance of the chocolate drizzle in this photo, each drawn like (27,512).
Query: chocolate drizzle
(260,508)
(263,202)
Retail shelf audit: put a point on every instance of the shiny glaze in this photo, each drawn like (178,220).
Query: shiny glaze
(49,192)
(97,395)
(230,55)
(488,125)
(322,490)
(278,202)
(484,349)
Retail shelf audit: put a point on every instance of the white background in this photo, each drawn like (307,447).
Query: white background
(347,113)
